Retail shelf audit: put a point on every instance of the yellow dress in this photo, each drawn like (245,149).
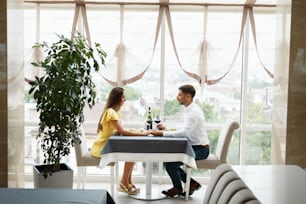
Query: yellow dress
(108,130)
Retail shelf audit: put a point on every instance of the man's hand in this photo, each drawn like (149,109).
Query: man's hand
(160,126)
(157,133)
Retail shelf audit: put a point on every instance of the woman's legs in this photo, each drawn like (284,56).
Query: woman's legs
(127,173)
(126,184)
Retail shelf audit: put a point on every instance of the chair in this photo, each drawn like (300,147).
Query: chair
(220,157)
(229,190)
(218,173)
(221,185)
(83,159)
(244,196)
(226,187)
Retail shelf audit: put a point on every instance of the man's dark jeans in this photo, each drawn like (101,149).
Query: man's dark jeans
(176,173)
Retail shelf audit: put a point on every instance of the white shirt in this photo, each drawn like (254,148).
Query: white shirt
(194,126)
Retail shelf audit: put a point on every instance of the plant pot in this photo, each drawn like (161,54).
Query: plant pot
(58,179)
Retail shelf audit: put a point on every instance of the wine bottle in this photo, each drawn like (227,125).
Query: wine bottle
(149,120)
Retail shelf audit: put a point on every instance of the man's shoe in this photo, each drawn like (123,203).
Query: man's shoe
(194,186)
(173,192)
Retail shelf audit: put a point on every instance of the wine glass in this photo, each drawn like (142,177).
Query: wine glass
(156,120)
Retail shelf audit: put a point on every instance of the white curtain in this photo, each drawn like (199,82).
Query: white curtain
(15,94)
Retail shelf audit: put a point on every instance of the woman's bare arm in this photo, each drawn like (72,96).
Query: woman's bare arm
(125,132)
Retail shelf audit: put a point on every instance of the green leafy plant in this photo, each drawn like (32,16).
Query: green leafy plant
(62,92)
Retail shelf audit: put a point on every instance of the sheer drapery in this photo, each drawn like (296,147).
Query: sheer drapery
(121,54)
(121,51)
(201,76)
(249,10)
(203,58)
(15,95)
(81,7)
(36,53)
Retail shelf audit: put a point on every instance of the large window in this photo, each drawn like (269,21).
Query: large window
(245,94)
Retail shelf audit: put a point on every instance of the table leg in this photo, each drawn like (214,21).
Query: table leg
(148,195)
(160,173)
(149,167)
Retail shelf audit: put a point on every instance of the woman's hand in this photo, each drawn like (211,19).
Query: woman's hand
(146,133)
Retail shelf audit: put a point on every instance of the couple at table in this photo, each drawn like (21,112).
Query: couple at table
(193,128)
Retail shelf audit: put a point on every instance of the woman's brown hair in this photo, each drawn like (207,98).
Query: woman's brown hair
(113,100)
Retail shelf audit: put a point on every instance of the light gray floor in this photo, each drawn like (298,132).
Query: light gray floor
(122,198)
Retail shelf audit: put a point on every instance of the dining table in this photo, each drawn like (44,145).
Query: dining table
(53,195)
(148,149)
(275,184)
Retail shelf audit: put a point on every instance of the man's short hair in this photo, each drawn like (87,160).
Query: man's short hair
(188,89)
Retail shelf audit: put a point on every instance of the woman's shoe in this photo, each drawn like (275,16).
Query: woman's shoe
(132,186)
(124,189)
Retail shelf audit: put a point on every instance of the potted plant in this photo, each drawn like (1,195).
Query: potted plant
(61,94)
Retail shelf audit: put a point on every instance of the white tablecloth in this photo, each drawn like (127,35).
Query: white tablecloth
(147,149)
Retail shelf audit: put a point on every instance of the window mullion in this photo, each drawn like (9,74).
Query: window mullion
(162,67)
(244,93)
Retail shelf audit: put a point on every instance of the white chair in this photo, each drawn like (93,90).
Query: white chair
(230,189)
(244,196)
(226,187)
(220,157)
(215,177)
(83,159)
(256,201)
(221,185)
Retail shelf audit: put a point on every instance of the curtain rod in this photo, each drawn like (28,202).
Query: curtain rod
(146,3)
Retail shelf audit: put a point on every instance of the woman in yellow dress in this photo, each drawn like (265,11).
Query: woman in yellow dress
(108,125)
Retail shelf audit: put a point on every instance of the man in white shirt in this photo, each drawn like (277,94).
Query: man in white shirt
(194,129)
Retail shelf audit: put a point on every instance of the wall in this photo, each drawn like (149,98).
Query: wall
(3,96)
(296,111)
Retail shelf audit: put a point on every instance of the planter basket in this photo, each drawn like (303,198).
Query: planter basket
(59,179)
